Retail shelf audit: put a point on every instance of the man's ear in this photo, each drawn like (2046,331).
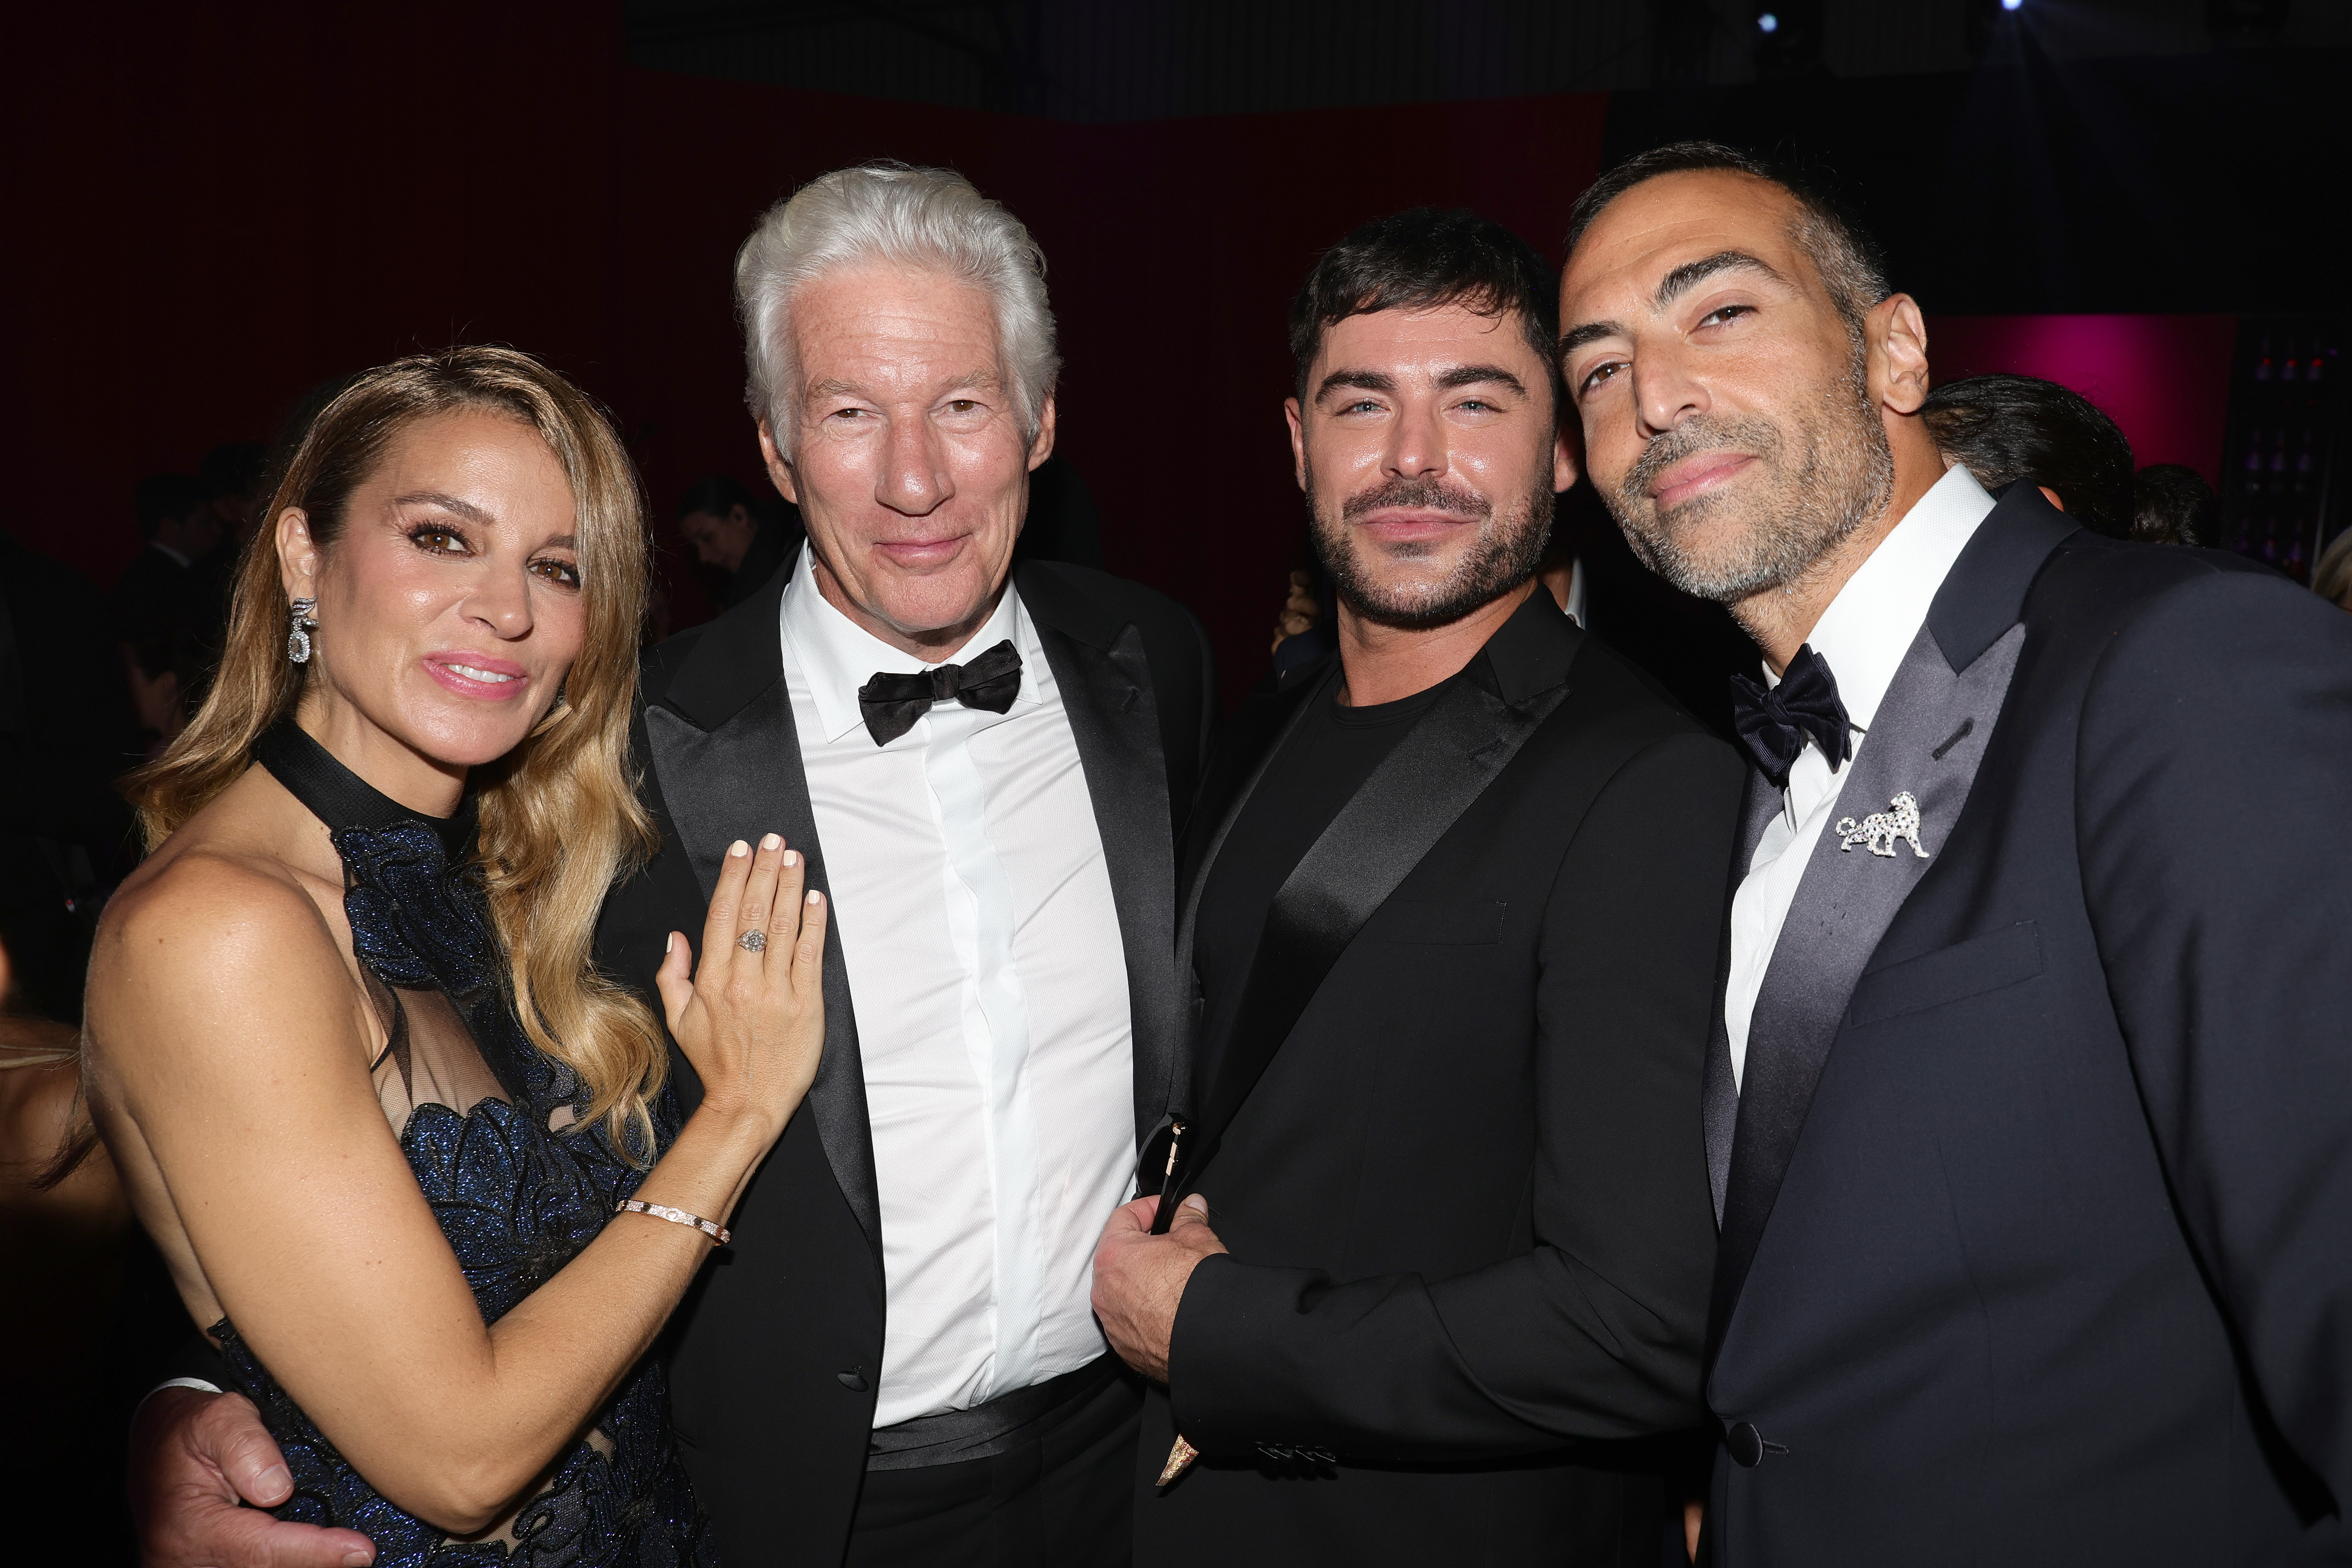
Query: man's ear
(1043,447)
(780,472)
(1566,464)
(298,556)
(1290,412)
(1897,335)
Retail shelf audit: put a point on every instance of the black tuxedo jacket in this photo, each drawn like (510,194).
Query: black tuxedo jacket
(775,1354)
(2037,1239)
(1466,1196)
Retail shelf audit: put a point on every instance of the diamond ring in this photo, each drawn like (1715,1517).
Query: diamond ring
(753,940)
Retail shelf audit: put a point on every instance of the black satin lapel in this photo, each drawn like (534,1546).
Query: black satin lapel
(1441,766)
(741,780)
(1931,732)
(1115,721)
(1282,717)
(1758,805)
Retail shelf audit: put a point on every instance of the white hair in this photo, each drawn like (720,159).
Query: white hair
(891,212)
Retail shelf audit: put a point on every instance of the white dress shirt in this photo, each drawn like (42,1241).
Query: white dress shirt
(1863,636)
(982,945)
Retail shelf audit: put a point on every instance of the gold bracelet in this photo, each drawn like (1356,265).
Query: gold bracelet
(711,1228)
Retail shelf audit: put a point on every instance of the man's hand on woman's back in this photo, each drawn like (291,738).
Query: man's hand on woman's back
(196,1458)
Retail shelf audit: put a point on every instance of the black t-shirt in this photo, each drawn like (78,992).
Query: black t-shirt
(1319,770)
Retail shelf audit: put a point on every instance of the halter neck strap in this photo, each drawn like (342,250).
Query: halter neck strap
(340,798)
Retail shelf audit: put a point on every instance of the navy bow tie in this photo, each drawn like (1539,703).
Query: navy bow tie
(892,703)
(1774,723)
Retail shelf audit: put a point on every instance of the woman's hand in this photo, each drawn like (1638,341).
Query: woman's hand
(751,1020)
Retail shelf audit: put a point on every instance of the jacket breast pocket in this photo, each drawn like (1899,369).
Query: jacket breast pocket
(1440,922)
(1972,968)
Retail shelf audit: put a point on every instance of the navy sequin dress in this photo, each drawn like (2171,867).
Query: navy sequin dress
(475,1107)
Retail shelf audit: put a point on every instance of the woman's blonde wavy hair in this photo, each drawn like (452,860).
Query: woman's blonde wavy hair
(558,813)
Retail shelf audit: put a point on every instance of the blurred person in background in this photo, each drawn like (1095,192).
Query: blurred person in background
(62,1247)
(169,585)
(2331,578)
(2172,504)
(747,539)
(232,476)
(66,732)
(2010,427)
(166,669)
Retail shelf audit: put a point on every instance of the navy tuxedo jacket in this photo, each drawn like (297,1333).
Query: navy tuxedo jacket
(2040,1251)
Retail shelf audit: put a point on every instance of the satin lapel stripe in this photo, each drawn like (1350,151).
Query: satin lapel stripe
(1115,721)
(739,780)
(1721,1109)
(1436,772)
(1308,693)
(1844,905)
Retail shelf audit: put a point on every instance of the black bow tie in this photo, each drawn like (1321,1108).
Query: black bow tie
(1774,723)
(892,703)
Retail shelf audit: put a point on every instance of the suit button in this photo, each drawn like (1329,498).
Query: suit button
(856,1382)
(1746,1444)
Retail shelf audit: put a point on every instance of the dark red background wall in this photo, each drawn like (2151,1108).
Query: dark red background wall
(209,217)
(212,209)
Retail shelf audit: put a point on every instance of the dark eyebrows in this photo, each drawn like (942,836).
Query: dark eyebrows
(1361,379)
(1451,378)
(1576,338)
(463,509)
(1691,274)
(1462,376)
(1674,284)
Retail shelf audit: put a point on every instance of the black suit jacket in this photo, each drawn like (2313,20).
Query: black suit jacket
(1466,1200)
(775,1354)
(2043,1252)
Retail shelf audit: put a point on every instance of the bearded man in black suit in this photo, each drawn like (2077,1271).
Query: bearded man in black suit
(2029,1105)
(1454,900)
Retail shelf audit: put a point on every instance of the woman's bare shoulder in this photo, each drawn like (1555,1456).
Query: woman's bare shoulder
(216,930)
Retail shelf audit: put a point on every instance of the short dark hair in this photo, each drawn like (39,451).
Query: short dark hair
(160,499)
(717,494)
(2010,427)
(1419,260)
(2172,504)
(1852,267)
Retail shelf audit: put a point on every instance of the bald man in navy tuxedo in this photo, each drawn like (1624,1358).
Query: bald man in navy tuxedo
(2029,1108)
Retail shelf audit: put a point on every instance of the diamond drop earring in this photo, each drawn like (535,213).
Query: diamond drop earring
(297,633)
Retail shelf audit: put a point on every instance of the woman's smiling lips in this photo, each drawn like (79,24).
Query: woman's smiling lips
(1696,476)
(477,675)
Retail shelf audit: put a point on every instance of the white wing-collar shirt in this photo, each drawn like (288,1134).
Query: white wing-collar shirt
(1863,636)
(976,920)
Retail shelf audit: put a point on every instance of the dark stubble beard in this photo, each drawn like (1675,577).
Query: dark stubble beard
(1503,556)
(1829,473)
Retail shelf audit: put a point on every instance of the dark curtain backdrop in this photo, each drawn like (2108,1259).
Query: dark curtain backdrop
(214,208)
